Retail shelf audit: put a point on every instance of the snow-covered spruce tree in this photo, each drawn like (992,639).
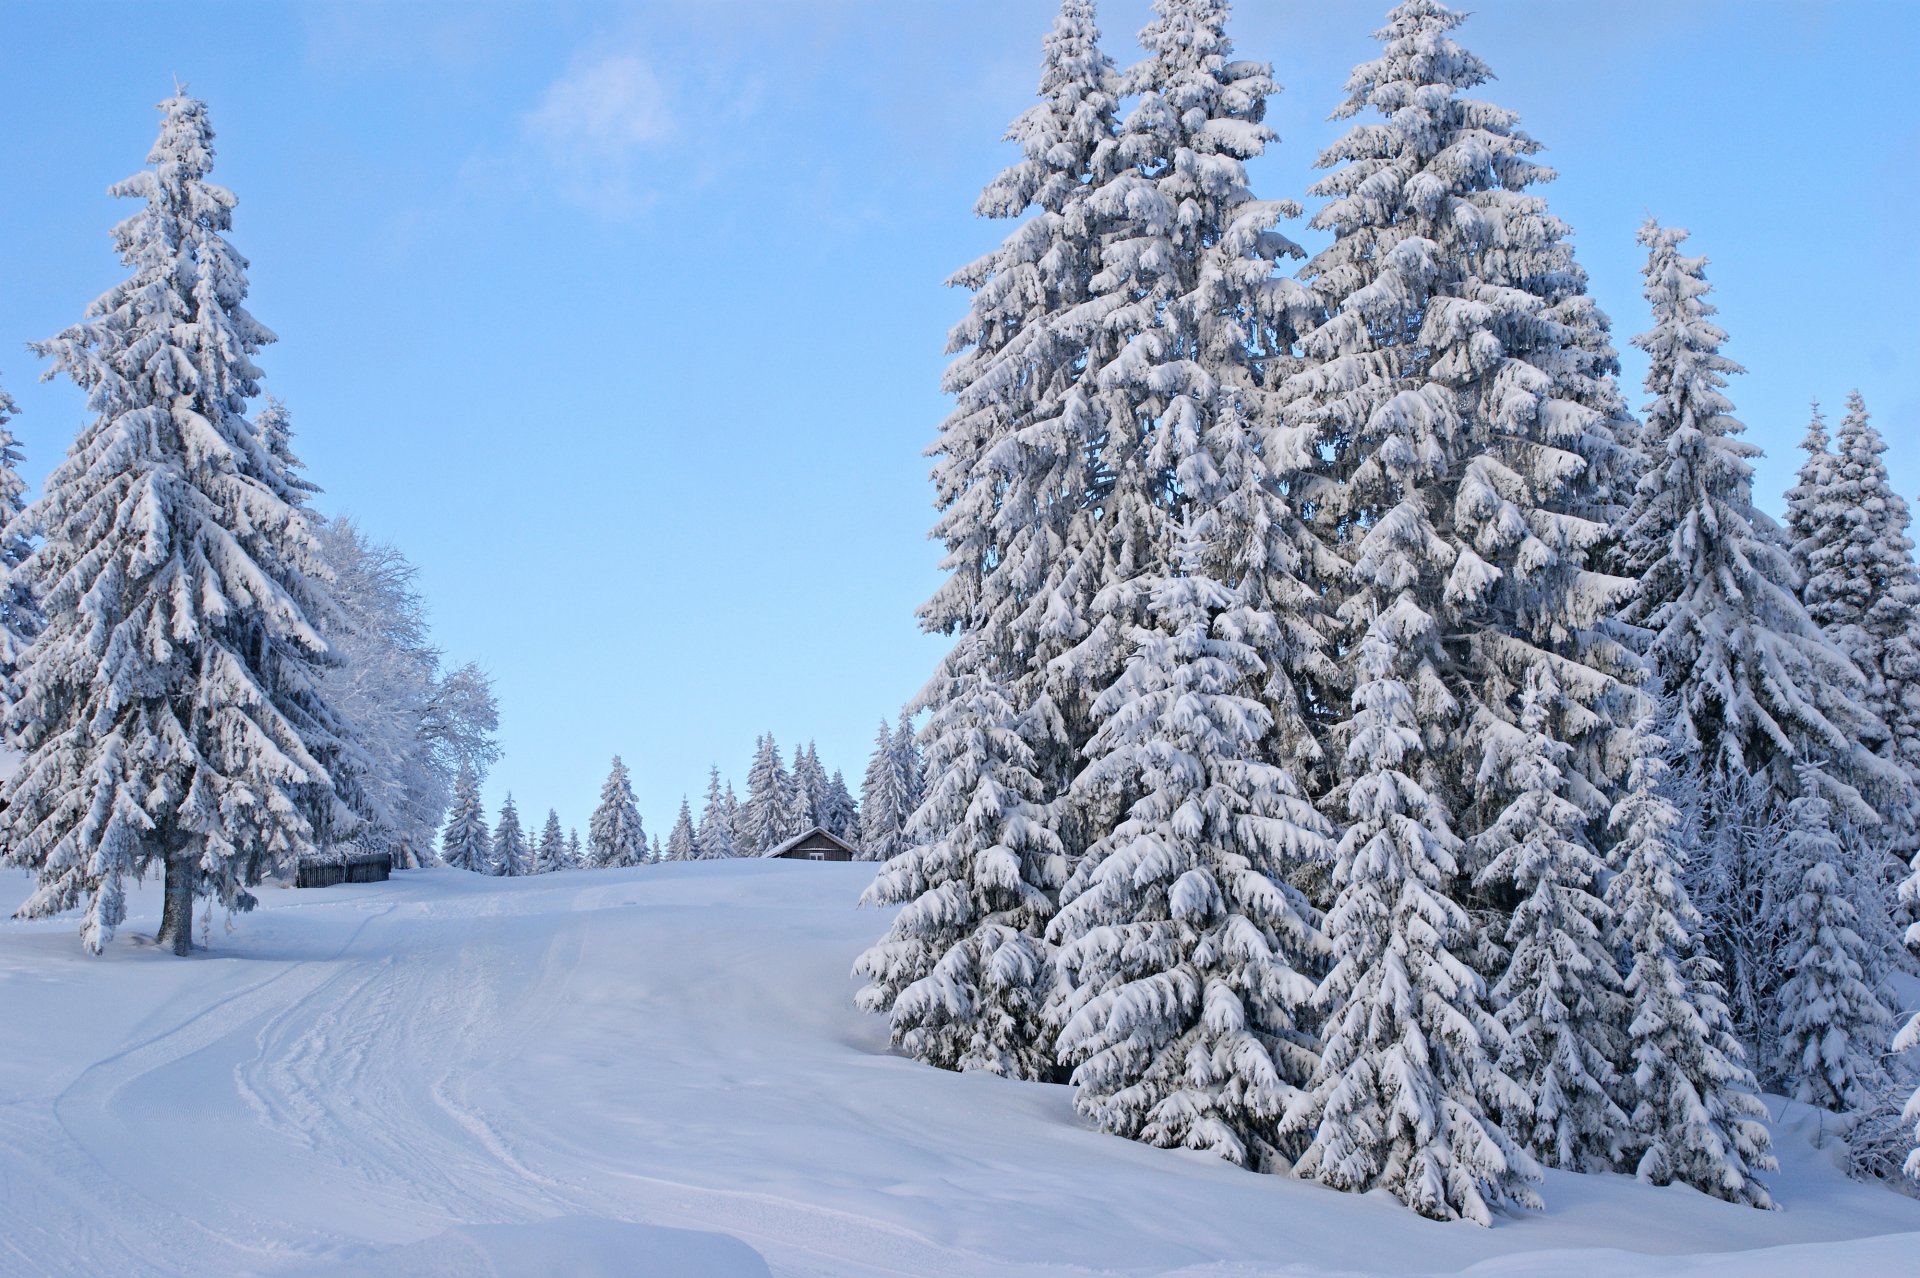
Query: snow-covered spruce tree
(170,713)
(1754,684)
(1409,1090)
(20,615)
(713,840)
(838,813)
(576,853)
(1695,1110)
(1014,471)
(1861,586)
(467,844)
(1810,522)
(962,974)
(1455,434)
(1183,946)
(656,855)
(550,853)
(680,840)
(810,785)
(883,811)
(909,766)
(415,726)
(1833,1014)
(614,833)
(1559,998)
(768,811)
(511,856)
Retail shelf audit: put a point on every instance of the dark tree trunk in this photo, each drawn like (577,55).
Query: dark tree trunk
(176,920)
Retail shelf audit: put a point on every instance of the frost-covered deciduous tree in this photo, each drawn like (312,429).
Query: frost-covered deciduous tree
(680,840)
(1833,1014)
(415,726)
(511,855)
(1559,998)
(962,974)
(170,713)
(1754,684)
(1695,1114)
(1409,1092)
(20,615)
(713,840)
(467,844)
(615,836)
(551,852)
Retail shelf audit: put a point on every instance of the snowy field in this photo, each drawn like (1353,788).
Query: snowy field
(659,1071)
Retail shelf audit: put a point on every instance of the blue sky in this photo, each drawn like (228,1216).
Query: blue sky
(626,321)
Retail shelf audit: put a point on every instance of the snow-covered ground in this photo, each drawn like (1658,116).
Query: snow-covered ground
(659,1071)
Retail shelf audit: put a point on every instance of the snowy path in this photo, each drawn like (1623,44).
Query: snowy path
(659,1070)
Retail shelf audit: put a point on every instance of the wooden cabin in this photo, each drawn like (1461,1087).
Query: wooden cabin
(817,844)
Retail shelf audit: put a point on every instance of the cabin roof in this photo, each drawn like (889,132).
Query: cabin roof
(798,839)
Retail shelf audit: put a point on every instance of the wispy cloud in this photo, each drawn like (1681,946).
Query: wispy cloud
(596,127)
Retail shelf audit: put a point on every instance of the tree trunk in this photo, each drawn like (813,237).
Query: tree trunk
(176,919)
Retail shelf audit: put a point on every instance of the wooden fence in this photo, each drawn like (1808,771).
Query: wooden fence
(372,868)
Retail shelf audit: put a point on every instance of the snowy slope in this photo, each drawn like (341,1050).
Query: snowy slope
(659,1070)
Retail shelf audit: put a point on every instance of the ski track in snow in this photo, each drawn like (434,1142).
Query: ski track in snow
(368,1071)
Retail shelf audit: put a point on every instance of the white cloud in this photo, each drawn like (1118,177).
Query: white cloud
(595,126)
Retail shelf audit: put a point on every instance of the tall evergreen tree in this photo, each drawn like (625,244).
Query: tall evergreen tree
(1409,1092)
(615,836)
(511,855)
(910,768)
(713,840)
(20,615)
(1909,1036)
(170,712)
(680,840)
(1754,683)
(1015,475)
(551,852)
(962,974)
(1696,1115)
(1454,437)
(467,844)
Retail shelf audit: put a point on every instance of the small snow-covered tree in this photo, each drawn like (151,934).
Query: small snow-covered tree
(962,973)
(909,766)
(680,840)
(511,855)
(657,855)
(1833,1014)
(1559,998)
(1409,1091)
(838,812)
(1695,1114)
(170,713)
(20,616)
(614,833)
(550,853)
(467,844)
(713,840)
(883,801)
(767,815)
(576,855)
